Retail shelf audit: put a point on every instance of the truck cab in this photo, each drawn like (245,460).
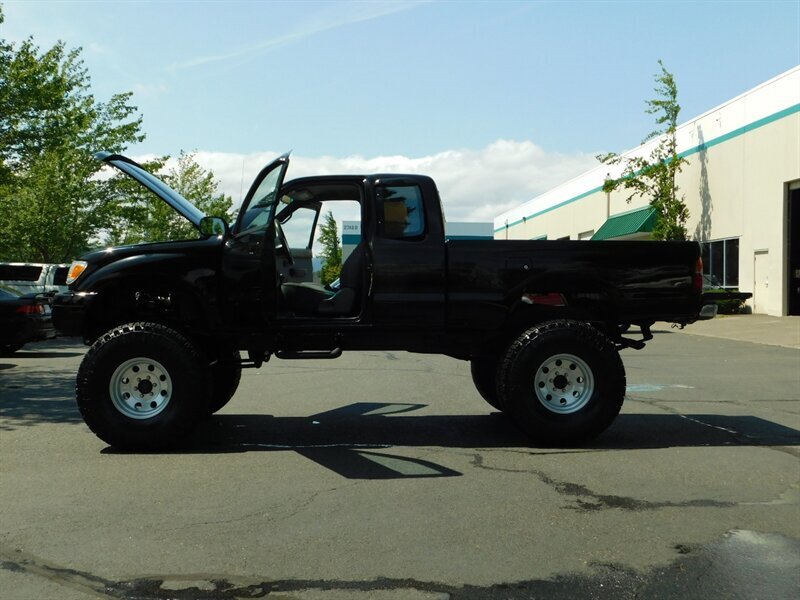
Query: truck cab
(395,277)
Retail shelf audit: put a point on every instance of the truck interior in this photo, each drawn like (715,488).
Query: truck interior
(303,209)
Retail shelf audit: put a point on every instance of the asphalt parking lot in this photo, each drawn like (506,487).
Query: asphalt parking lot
(384,475)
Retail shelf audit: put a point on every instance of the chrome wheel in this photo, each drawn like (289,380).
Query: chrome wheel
(564,384)
(140,388)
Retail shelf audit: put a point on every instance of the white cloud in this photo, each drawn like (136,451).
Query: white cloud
(325,21)
(475,185)
(149,90)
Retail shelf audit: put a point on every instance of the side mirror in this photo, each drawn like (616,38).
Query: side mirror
(210,226)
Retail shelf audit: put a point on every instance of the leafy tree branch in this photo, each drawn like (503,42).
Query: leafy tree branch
(654,177)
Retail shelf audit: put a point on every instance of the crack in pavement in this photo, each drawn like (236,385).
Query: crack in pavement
(18,561)
(587,500)
(740,563)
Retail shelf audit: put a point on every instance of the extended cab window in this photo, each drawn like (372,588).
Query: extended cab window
(400,211)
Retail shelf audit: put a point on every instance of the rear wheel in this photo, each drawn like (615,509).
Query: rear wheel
(142,386)
(562,381)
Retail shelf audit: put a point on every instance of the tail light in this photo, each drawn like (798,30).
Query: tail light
(31,309)
(551,299)
(698,275)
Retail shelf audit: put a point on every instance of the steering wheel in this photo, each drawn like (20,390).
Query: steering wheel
(283,245)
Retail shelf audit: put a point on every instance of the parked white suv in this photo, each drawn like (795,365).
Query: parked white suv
(37,278)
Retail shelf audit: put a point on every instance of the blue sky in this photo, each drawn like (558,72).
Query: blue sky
(529,91)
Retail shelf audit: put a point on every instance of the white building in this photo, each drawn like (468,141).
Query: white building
(741,185)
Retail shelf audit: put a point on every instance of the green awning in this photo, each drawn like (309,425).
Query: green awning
(640,220)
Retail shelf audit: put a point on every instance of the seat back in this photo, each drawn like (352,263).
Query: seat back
(351,278)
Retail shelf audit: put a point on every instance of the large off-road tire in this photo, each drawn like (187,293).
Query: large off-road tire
(563,382)
(143,386)
(225,376)
(484,376)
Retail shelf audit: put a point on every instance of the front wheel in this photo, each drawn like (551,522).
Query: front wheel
(142,386)
(563,382)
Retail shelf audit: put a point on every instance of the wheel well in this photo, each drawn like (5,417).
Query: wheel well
(137,301)
(595,309)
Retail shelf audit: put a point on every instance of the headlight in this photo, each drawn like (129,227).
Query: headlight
(75,269)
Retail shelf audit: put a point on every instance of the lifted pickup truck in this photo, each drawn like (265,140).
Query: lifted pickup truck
(538,320)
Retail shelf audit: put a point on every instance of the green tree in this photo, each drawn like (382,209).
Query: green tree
(331,250)
(46,212)
(654,177)
(140,216)
(51,202)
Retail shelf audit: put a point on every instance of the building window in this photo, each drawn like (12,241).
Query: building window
(721,262)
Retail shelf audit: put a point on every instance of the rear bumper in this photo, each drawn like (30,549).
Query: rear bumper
(69,312)
(30,329)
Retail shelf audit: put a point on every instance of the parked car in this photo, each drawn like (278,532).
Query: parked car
(23,318)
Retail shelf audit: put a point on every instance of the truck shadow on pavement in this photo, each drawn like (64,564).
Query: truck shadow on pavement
(353,440)
(36,397)
(55,348)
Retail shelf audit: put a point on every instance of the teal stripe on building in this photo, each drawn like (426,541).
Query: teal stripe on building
(787,112)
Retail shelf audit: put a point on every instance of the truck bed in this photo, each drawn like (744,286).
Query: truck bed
(626,281)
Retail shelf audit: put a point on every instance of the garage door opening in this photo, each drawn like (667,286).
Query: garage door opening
(793,282)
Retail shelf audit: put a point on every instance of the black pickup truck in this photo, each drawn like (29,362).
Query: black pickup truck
(172,324)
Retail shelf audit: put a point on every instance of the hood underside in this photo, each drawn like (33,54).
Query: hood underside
(135,171)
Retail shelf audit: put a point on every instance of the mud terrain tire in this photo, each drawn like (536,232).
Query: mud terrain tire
(563,382)
(143,386)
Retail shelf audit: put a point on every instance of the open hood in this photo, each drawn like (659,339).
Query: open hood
(180,204)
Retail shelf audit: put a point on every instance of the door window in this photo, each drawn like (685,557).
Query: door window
(300,225)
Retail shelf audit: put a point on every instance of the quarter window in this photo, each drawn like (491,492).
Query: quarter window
(401,211)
